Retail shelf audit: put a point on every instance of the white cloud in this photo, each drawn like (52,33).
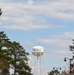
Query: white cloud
(59,53)
(25,27)
(58,44)
(30,1)
(59,38)
(22,15)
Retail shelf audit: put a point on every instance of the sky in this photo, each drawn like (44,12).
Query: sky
(48,23)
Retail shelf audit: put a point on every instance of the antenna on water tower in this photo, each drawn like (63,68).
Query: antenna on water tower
(38,51)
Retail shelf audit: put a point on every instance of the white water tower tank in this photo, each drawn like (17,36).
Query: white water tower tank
(38,51)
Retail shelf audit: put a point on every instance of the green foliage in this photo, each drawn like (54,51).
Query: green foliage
(52,72)
(20,60)
(4,53)
(13,55)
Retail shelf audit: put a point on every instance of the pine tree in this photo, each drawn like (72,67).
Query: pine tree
(20,60)
(13,55)
(4,54)
(53,71)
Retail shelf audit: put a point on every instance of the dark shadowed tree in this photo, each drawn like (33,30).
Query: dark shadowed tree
(4,53)
(52,72)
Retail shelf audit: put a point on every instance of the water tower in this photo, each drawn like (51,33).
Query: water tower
(38,51)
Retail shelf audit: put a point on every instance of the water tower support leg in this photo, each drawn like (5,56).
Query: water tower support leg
(38,65)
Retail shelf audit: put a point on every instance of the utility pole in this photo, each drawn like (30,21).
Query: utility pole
(65,59)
